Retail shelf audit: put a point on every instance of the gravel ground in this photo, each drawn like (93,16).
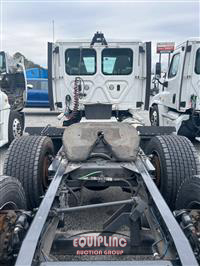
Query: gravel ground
(87,220)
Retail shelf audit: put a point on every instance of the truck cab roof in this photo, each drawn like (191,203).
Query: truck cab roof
(87,41)
(189,40)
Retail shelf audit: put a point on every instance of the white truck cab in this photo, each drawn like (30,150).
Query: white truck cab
(178,104)
(111,77)
(4,118)
(12,98)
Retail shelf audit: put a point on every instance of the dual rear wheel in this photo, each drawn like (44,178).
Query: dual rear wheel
(12,195)
(28,159)
(174,158)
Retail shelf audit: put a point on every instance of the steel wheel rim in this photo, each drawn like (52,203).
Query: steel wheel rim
(156,163)
(46,163)
(17,129)
(154,118)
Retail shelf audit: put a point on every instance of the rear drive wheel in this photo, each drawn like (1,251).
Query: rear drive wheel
(175,159)
(154,115)
(188,196)
(12,195)
(28,159)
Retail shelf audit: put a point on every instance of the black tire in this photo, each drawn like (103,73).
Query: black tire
(188,196)
(28,159)
(12,195)
(154,116)
(175,159)
(15,125)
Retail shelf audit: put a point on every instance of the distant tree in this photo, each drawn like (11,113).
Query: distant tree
(28,63)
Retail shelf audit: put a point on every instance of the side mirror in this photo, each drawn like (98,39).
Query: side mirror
(29,86)
(158,69)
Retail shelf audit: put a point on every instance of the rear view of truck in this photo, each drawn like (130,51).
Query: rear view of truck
(114,77)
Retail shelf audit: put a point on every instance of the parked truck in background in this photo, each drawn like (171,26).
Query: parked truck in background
(37,93)
(178,104)
(12,98)
(115,78)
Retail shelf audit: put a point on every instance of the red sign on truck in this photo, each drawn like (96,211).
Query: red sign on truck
(165,47)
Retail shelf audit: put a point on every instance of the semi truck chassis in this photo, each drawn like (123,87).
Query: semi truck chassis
(37,236)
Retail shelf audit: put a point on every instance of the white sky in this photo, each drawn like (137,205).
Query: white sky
(26,26)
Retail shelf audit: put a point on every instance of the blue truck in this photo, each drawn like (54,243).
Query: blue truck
(37,80)
(36,73)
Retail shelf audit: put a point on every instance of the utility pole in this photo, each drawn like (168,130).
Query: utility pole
(53,29)
(1,25)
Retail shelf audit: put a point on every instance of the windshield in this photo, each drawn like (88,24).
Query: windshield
(80,61)
(117,61)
